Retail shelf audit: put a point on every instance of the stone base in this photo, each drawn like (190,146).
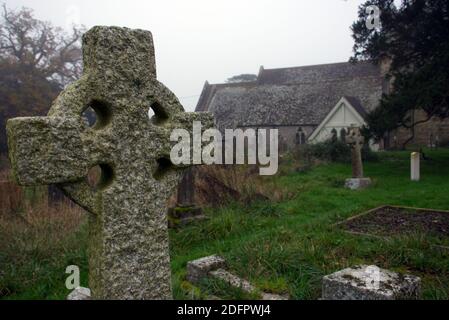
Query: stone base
(370,283)
(233,280)
(181,216)
(80,293)
(213,267)
(244,285)
(357,183)
(199,269)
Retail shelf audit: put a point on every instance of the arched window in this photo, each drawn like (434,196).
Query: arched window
(334,134)
(300,137)
(343,133)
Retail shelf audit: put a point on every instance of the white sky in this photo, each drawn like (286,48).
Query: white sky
(199,40)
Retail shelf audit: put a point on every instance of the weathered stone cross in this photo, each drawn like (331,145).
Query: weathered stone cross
(355,140)
(128,238)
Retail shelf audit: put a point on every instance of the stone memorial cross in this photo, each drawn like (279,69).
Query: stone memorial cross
(128,238)
(355,140)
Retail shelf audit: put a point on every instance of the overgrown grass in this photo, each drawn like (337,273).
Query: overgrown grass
(284,246)
(288,246)
(35,252)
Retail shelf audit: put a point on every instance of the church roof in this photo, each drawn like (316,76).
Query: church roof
(318,73)
(357,105)
(292,96)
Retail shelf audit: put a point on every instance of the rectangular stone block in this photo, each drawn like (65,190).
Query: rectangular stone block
(233,280)
(370,283)
(198,269)
(244,285)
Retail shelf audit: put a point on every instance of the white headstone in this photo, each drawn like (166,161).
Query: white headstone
(415,166)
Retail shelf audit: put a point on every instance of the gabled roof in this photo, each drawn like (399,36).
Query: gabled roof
(352,103)
(292,96)
(210,89)
(357,105)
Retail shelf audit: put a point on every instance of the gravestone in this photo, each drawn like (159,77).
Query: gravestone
(215,267)
(415,166)
(356,141)
(370,283)
(186,194)
(185,210)
(128,236)
(200,268)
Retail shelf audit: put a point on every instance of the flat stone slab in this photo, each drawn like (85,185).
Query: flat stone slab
(244,285)
(200,268)
(80,293)
(213,266)
(357,183)
(233,280)
(370,283)
(272,296)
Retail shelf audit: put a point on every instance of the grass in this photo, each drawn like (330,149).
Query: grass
(288,246)
(283,246)
(37,243)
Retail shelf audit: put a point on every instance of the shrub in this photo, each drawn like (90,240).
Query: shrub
(220,185)
(335,151)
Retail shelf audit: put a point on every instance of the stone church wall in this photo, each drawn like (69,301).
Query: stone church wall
(289,136)
(434,132)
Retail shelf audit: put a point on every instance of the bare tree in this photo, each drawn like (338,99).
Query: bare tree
(37,60)
(37,46)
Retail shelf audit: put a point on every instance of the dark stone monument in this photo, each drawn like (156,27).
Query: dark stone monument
(185,211)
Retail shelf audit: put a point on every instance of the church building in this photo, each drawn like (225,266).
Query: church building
(306,104)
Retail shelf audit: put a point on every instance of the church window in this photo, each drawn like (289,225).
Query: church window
(343,133)
(300,137)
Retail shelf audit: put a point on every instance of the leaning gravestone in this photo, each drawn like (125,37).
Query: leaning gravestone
(355,140)
(128,245)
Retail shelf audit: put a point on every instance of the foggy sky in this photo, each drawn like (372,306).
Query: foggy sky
(199,40)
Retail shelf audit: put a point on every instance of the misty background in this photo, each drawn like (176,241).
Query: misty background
(199,40)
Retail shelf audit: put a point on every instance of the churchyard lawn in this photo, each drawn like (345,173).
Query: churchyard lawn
(283,247)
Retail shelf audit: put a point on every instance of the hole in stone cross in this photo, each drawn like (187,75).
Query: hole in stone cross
(164,166)
(100,176)
(97,114)
(157,114)
(90,117)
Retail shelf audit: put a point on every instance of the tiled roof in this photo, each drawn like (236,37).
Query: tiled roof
(293,96)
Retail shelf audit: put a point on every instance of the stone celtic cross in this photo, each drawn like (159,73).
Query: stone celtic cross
(355,140)
(128,237)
